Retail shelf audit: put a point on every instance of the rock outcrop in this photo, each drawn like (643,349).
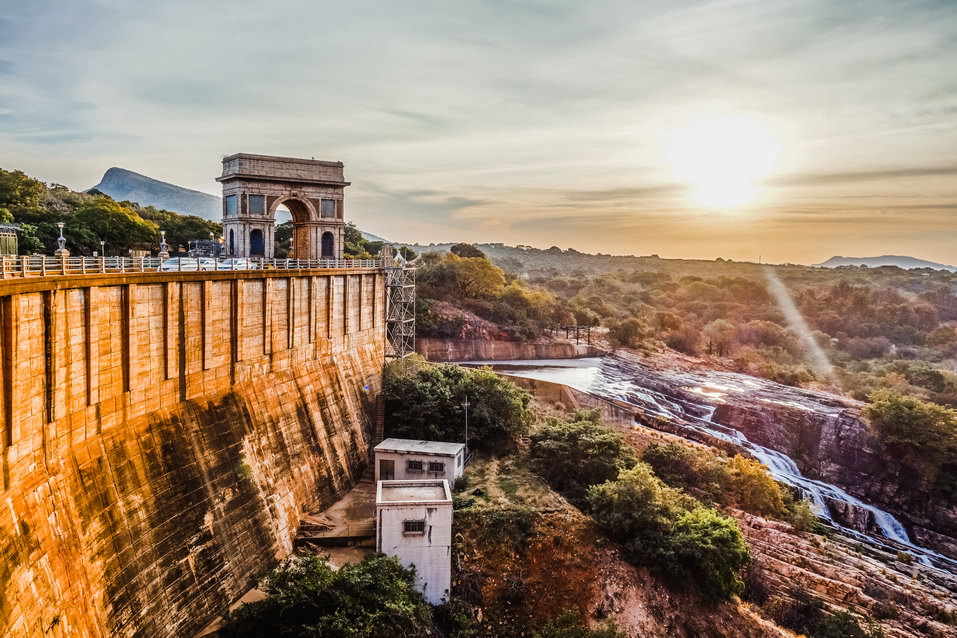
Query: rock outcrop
(830,440)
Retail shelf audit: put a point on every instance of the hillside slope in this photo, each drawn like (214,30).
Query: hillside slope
(121,184)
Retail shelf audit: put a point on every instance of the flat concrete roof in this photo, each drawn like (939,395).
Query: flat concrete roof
(438,448)
(436,491)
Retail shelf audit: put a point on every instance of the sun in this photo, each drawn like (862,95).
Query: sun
(723,160)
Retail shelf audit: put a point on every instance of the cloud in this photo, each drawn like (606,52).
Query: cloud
(528,122)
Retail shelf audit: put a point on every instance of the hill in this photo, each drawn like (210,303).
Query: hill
(124,185)
(900,261)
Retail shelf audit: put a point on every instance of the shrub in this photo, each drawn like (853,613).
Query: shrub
(425,401)
(637,510)
(735,482)
(574,456)
(708,547)
(306,597)
(751,488)
(662,526)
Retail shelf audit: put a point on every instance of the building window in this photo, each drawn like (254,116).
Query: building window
(436,467)
(460,460)
(413,466)
(229,202)
(257,204)
(327,208)
(413,527)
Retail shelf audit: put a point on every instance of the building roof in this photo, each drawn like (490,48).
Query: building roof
(438,448)
(434,491)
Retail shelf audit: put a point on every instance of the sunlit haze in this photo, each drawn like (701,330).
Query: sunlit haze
(791,130)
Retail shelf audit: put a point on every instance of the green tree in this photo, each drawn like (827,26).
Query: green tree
(627,332)
(180,229)
(103,219)
(466,251)
(305,597)
(573,456)
(920,433)
(425,401)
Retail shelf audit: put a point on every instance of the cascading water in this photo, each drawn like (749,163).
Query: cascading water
(611,378)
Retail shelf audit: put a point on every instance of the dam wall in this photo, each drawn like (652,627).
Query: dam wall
(161,433)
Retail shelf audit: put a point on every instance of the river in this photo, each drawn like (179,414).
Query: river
(690,399)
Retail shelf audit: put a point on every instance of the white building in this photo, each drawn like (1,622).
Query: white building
(414,524)
(408,459)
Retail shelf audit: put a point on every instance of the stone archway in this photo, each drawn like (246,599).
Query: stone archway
(254,186)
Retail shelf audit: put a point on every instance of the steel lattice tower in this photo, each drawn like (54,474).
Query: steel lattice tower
(400,310)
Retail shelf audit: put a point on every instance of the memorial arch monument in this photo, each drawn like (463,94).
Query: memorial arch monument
(254,186)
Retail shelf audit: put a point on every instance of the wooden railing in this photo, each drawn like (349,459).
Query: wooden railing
(39,266)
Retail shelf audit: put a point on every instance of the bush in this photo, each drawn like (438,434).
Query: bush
(425,401)
(638,510)
(735,482)
(661,526)
(576,455)
(709,548)
(306,597)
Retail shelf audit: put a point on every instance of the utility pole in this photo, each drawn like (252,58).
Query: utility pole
(466,405)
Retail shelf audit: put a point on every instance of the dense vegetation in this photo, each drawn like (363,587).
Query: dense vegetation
(880,328)
(427,401)
(465,280)
(89,219)
(375,598)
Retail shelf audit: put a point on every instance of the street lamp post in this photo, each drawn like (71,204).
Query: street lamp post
(102,248)
(61,250)
(164,248)
(466,406)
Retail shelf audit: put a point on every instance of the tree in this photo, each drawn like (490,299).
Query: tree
(425,401)
(479,279)
(627,332)
(180,229)
(305,597)
(920,433)
(573,456)
(466,251)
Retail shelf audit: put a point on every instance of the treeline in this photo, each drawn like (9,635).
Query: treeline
(90,218)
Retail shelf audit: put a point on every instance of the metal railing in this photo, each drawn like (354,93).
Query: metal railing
(43,266)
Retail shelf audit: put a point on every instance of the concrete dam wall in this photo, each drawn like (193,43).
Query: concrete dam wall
(162,433)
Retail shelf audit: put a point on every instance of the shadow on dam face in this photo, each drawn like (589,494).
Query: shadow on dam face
(162,434)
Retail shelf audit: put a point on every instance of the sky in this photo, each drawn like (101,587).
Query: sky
(783,130)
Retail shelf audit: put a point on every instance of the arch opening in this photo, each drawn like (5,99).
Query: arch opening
(328,245)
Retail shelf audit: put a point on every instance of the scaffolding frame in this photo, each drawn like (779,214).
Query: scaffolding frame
(400,309)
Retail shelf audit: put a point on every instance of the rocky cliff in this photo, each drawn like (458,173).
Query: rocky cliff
(832,442)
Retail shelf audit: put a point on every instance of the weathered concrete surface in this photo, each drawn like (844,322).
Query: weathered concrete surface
(481,350)
(163,433)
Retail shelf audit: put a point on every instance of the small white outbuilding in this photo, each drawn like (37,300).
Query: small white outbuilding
(413,522)
(408,459)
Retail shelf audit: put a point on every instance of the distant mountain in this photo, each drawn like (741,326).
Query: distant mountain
(121,184)
(900,261)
